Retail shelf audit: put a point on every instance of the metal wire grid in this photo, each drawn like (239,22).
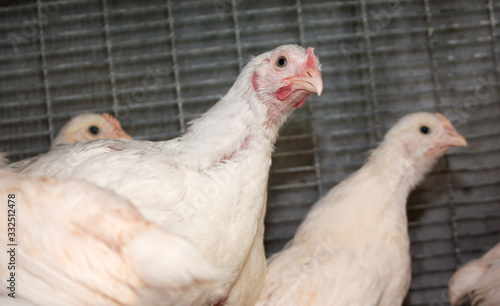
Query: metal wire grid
(157,64)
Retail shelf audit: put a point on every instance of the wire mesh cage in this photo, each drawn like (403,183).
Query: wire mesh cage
(156,65)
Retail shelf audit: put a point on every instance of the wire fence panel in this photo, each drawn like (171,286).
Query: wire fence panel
(156,65)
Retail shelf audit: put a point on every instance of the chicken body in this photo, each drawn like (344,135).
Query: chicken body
(208,185)
(77,244)
(478,281)
(353,246)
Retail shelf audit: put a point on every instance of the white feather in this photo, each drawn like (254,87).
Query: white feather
(208,185)
(478,281)
(353,246)
(79,244)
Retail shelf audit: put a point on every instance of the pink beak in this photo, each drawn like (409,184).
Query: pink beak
(119,133)
(122,135)
(451,138)
(311,81)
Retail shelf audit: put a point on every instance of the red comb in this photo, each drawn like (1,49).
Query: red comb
(112,120)
(311,58)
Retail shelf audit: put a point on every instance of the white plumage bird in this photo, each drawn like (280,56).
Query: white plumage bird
(210,184)
(86,127)
(353,246)
(478,281)
(79,244)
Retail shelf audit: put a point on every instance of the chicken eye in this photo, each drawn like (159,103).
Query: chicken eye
(94,130)
(425,130)
(281,62)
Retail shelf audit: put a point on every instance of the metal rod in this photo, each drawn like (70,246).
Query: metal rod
(437,86)
(109,59)
(317,166)
(46,84)
(494,36)
(371,73)
(176,68)
(237,34)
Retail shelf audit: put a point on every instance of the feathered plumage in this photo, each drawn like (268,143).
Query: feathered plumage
(478,281)
(208,185)
(87,127)
(353,246)
(79,244)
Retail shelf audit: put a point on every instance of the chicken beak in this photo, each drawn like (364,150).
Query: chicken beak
(311,81)
(122,135)
(451,137)
(118,132)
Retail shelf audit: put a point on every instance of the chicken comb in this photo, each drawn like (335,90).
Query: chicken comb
(312,60)
(445,121)
(112,120)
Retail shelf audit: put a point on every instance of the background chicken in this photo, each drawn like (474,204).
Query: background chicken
(84,127)
(87,127)
(208,185)
(79,244)
(478,281)
(353,246)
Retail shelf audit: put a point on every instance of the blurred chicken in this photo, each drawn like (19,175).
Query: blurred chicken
(210,184)
(79,244)
(81,128)
(353,246)
(87,127)
(3,159)
(478,281)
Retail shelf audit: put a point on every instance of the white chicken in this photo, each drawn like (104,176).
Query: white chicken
(208,185)
(73,243)
(478,281)
(87,127)
(353,246)
(84,127)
